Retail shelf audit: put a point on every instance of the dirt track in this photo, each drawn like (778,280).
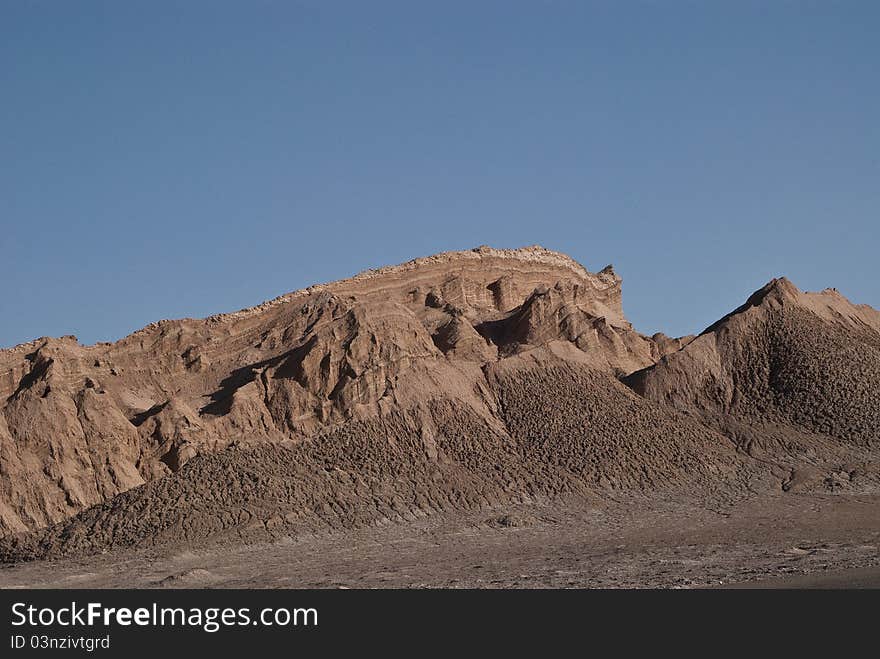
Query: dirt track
(788,540)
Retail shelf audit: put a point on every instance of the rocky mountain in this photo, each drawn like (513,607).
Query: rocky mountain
(81,424)
(454,381)
(790,376)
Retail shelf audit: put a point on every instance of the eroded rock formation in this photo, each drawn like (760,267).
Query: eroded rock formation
(80,424)
(458,380)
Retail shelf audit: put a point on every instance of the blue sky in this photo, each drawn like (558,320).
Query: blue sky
(162,160)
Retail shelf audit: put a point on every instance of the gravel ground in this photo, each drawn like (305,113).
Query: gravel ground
(789,540)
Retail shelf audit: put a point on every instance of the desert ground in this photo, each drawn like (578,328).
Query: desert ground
(789,540)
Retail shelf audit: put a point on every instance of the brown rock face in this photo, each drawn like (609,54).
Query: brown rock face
(789,374)
(459,380)
(783,352)
(80,424)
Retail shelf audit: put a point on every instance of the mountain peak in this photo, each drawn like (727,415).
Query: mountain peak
(778,288)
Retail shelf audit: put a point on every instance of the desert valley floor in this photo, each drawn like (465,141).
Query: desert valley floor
(789,540)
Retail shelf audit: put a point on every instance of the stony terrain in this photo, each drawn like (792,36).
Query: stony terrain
(791,378)
(784,539)
(439,389)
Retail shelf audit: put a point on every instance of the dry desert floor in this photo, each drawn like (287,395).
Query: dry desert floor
(789,540)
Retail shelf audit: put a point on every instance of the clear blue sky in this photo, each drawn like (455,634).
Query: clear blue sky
(162,160)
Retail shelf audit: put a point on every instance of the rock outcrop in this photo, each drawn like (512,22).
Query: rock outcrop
(789,376)
(459,380)
(80,424)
